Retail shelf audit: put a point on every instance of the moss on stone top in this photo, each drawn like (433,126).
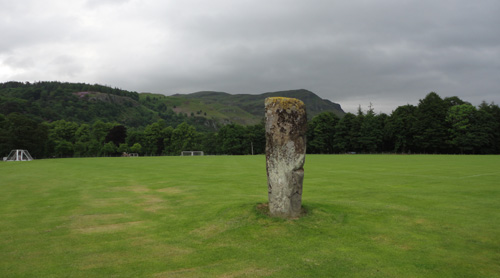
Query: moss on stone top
(285,103)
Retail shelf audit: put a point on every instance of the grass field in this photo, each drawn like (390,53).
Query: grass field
(368,216)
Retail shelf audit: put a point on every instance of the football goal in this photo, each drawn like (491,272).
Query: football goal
(192,153)
(18,155)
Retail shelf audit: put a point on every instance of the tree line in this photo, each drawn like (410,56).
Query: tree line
(435,125)
(70,139)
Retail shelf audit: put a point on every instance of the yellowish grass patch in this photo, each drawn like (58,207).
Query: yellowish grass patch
(152,203)
(107,228)
(248,272)
(170,190)
(209,230)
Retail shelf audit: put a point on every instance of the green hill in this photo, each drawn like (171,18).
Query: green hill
(85,103)
(78,102)
(245,108)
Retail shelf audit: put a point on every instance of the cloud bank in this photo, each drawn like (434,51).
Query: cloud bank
(388,53)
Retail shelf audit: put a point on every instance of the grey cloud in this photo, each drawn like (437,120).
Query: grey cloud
(352,52)
(97,3)
(66,66)
(19,62)
(28,30)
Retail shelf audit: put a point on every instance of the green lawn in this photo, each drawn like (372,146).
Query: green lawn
(368,216)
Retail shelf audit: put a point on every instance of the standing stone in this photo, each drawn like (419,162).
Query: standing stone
(286,124)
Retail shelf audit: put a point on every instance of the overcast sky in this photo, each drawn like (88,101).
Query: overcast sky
(385,52)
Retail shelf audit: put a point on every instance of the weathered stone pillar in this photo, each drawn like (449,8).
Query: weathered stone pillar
(286,124)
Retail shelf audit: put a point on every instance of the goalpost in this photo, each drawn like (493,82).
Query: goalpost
(18,155)
(192,153)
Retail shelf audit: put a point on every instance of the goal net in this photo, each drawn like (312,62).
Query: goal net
(192,153)
(18,155)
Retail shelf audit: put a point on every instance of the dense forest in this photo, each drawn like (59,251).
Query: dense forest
(49,120)
(434,126)
(83,103)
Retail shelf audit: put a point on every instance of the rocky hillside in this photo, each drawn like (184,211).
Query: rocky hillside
(254,104)
(245,108)
(85,103)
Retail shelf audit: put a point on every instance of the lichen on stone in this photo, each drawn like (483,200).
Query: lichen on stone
(286,103)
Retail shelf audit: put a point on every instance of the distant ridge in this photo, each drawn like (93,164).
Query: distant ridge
(254,104)
(85,103)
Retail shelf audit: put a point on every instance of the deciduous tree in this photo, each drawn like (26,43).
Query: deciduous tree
(117,135)
(183,138)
